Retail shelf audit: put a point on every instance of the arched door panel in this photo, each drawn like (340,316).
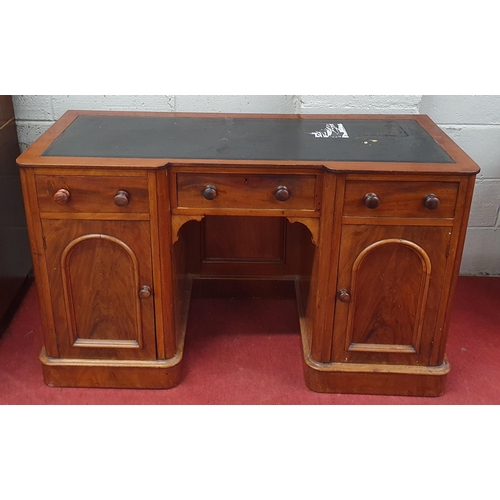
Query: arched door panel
(390,277)
(101,280)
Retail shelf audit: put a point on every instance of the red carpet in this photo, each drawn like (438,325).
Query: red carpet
(249,352)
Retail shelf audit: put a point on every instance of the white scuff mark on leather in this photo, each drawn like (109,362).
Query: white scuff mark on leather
(332,131)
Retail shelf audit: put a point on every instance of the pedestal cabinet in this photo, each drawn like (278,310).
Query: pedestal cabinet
(363,216)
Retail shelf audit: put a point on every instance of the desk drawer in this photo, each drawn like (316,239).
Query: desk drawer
(235,191)
(431,199)
(92,194)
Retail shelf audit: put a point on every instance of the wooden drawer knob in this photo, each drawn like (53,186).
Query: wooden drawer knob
(145,292)
(344,295)
(282,193)
(431,201)
(210,192)
(62,196)
(122,198)
(371,200)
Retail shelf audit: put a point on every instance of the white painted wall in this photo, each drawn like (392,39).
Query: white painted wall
(236,103)
(472,121)
(359,103)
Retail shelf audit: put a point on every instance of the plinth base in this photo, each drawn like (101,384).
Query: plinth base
(162,374)
(388,380)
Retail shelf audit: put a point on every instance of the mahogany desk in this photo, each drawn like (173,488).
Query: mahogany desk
(365,216)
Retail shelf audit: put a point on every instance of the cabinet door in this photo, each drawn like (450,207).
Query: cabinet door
(388,293)
(101,278)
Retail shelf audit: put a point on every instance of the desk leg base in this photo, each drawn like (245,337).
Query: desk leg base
(387,380)
(123,374)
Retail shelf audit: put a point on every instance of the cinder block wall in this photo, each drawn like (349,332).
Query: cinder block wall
(472,121)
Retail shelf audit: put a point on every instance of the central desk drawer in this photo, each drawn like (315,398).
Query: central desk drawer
(255,191)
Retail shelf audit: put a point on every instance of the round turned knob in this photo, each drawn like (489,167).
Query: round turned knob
(62,196)
(431,201)
(371,200)
(282,193)
(145,292)
(344,296)
(122,198)
(210,192)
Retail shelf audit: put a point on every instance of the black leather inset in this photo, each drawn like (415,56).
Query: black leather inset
(247,139)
